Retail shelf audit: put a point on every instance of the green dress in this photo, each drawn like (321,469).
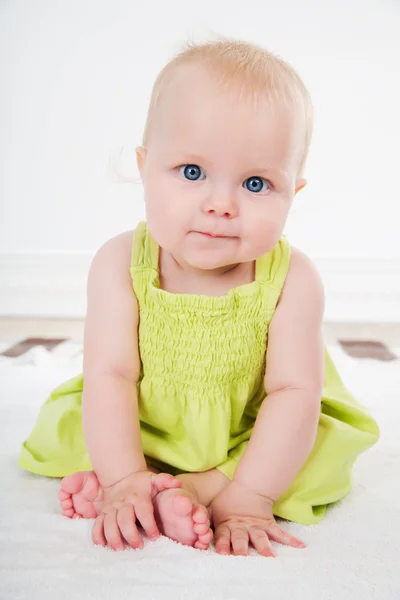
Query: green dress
(201,386)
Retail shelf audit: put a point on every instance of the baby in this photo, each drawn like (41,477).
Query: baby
(208,403)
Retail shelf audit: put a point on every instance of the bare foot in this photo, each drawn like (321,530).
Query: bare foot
(178,513)
(180,517)
(80,495)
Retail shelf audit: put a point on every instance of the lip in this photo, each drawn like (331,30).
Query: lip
(212,235)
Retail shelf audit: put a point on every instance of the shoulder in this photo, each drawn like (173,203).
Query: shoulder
(116,248)
(302,269)
(303,285)
(120,245)
(112,259)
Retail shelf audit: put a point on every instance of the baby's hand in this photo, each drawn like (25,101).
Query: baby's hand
(241,515)
(125,502)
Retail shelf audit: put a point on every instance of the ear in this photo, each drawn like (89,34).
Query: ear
(300,184)
(141,154)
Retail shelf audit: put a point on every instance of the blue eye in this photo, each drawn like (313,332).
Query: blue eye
(191,172)
(256,184)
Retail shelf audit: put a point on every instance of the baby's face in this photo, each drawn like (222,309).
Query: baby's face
(219,175)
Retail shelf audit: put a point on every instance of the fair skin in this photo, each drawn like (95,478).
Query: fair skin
(232,146)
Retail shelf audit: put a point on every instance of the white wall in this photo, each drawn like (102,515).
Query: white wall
(76,80)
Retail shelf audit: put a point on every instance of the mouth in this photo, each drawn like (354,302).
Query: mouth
(213,235)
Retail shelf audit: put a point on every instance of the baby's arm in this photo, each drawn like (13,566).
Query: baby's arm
(111,369)
(111,365)
(286,426)
(287,422)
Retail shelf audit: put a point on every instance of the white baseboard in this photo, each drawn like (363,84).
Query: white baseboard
(53,285)
(44,284)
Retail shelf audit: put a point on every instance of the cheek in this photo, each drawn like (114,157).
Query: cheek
(155,205)
(264,228)
(165,211)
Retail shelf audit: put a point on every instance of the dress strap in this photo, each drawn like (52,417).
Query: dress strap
(272,268)
(145,249)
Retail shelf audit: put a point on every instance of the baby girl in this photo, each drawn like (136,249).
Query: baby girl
(208,403)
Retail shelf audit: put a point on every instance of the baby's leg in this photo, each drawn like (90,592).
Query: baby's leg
(207,484)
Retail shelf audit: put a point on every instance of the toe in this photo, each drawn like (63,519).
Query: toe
(72,484)
(201,546)
(83,482)
(200,515)
(206,538)
(78,494)
(63,495)
(201,528)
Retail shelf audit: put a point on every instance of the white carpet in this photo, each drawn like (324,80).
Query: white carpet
(353,554)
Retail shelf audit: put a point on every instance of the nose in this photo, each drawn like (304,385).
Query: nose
(220,203)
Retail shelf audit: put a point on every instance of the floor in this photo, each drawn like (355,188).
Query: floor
(352,554)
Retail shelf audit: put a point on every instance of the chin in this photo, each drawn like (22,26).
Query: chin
(206,263)
(202,265)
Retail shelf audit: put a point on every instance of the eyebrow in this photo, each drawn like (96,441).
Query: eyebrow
(270,172)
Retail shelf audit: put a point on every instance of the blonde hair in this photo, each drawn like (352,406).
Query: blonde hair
(258,74)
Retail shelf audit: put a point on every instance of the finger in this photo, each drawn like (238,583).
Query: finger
(277,534)
(165,481)
(240,540)
(261,543)
(98,531)
(145,515)
(223,539)
(126,521)
(112,532)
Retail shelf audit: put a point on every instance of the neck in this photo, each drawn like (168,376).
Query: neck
(178,277)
